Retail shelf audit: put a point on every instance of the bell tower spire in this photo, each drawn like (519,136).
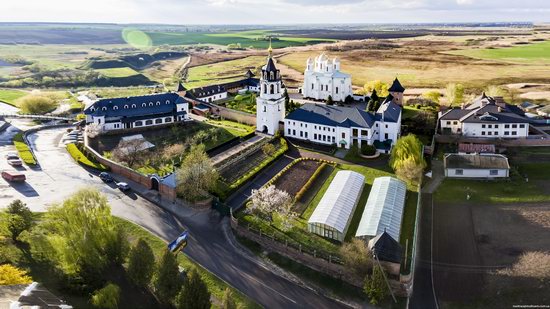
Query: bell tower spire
(270,49)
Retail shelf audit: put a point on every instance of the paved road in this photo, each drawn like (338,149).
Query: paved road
(60,176)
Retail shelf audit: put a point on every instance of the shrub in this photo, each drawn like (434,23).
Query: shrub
(19,219)
(107,297)
(81,158)
(10,275)
(310,181)
(36,104)
(368,150)
(23,149)
(375,286)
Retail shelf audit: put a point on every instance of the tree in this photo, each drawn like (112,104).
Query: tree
(19,219)
(36,104)
(268,149)
(494,91)
(287,216)
(287,97)
(375,286)
(267,200)
(141,263)
(454,93)
(10,275)
(329,100)
(196,174)
(107,297)
(407,156)
(194,293)
(227,300)
(81,238)
(167,281)
(380,87)
(432,95)
(129,152)
(173,153)
(357,256)
(373,101)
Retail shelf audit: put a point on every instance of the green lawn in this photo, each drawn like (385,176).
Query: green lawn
(531,53)
(117,72)
(10,96)
(222,72)
(243,102)
(235,128)
(215,285)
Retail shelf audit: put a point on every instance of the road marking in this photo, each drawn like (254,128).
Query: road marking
(432,255)
(267,286)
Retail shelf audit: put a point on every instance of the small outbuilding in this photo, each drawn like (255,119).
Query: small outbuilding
(476,166)
(333,214)
(384,209)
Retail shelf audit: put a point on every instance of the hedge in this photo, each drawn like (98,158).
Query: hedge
(81,158)
(272,180)
(23,149)
(251,173)
(310,181)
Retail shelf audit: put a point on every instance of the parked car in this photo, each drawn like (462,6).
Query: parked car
(13,176)
(105,177)
(12,155)
(123,186)
(15,161)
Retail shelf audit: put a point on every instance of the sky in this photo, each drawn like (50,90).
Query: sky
(273,11)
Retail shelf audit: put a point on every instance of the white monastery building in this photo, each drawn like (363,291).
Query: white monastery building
(270,104)
(476,166)
(322,78)
(486,117)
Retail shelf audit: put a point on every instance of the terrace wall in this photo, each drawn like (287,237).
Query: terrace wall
(234,115)
(531,141)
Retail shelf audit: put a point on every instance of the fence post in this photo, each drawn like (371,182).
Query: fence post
(300,248)
(286,242)
(314,253)
(260,232)
(330,258)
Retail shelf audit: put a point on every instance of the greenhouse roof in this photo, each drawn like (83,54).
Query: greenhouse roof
(338,203)
(384,208)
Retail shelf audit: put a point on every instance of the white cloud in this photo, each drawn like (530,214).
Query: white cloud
(464,2)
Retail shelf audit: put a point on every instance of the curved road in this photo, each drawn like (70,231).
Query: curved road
(58,177)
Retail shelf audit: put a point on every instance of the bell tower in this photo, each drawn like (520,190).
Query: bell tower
(270,104)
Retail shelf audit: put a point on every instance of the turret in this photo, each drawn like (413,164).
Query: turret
(270,104)
(397,90)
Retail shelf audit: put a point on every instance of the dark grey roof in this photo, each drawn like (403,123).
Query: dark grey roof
(207,91)
(396,86)
(271,68)
(332,115)
(249,74)
(40,297)
(389,111)
(476,161)
(493,113)
(385,248)
(455,114)
(122,107)
(181,87)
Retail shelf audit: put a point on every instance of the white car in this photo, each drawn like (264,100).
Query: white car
(15,161)
(12,155)
(123,186)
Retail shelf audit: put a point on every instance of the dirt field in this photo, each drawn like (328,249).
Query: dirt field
(476,248)
(297,176)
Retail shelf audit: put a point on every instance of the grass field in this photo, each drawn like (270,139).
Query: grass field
(117,72)
(10,96)
(222,72)
(253,38)
(535,53)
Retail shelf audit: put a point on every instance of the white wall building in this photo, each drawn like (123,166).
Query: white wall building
(270,104)
(322,78)
(346,126)
(139,111)
(476,166)
(486,117)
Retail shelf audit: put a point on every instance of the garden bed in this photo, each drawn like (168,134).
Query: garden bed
(23,149)
(296,177)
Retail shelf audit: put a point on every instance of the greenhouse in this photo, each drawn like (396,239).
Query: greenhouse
(333,214)
(384,209)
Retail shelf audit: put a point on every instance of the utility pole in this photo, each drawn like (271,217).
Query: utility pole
(385,279)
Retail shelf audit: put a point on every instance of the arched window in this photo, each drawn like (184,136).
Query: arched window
(148,122)
(126,106)
(115,107)
(104,108)
(138,124)
(167,101)
(158,102)
(264,88)
(150,103)
(168,119)
(272,75)
(144,105)
(265,109)
(92,109)
(278,88)
(157,121)
(271,89)
(133,106)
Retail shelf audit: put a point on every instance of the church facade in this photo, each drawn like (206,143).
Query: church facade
(270,104)
(322,78)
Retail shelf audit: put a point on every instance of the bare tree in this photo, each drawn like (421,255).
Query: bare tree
(129,152)
(357,256)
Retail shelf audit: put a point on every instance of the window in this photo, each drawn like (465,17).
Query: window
(493,172)
(312,85)
(506,133)
(332,129)
(148,122)
(514,126)
(314,135)
(167,101)
(315,127)
(506,126)
(104,108)
(293,132)
(138,124)
(496,126)
(158,103)
(522,126)
(386,126)
(386,136)
(265,109)
(271,89)
(489,133)
(455,122)
(336,90)
(301,134)
(151,104)
(134,106)
(168,119)
(490,126)
(301,124)
(343,135)
(482,132)
(126,106)
(448,122)
(334,139)
(115,107)
(279,108)
(459,172)
(483,126)
(92,109)
(288,132)
(144,105)
(514,133)
(306,134)
(157,121)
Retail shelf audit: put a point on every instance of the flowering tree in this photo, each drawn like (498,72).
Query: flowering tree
(269,199)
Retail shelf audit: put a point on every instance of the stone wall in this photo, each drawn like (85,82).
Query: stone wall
(235,115)
(531,141)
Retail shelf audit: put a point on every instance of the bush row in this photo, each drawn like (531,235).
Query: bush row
(81,158)
(274,179)
(282,149)
(309,183)
(23,149)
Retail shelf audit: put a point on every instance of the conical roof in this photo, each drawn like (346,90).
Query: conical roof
(181,87)
(396,86)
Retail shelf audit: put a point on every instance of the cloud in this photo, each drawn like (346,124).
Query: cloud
(464,2)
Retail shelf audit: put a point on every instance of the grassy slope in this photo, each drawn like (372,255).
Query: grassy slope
(117,72)
(528,54)
(215,285)
(222,71)
(9,96)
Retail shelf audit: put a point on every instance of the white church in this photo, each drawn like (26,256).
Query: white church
(327,124)
(322,78)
